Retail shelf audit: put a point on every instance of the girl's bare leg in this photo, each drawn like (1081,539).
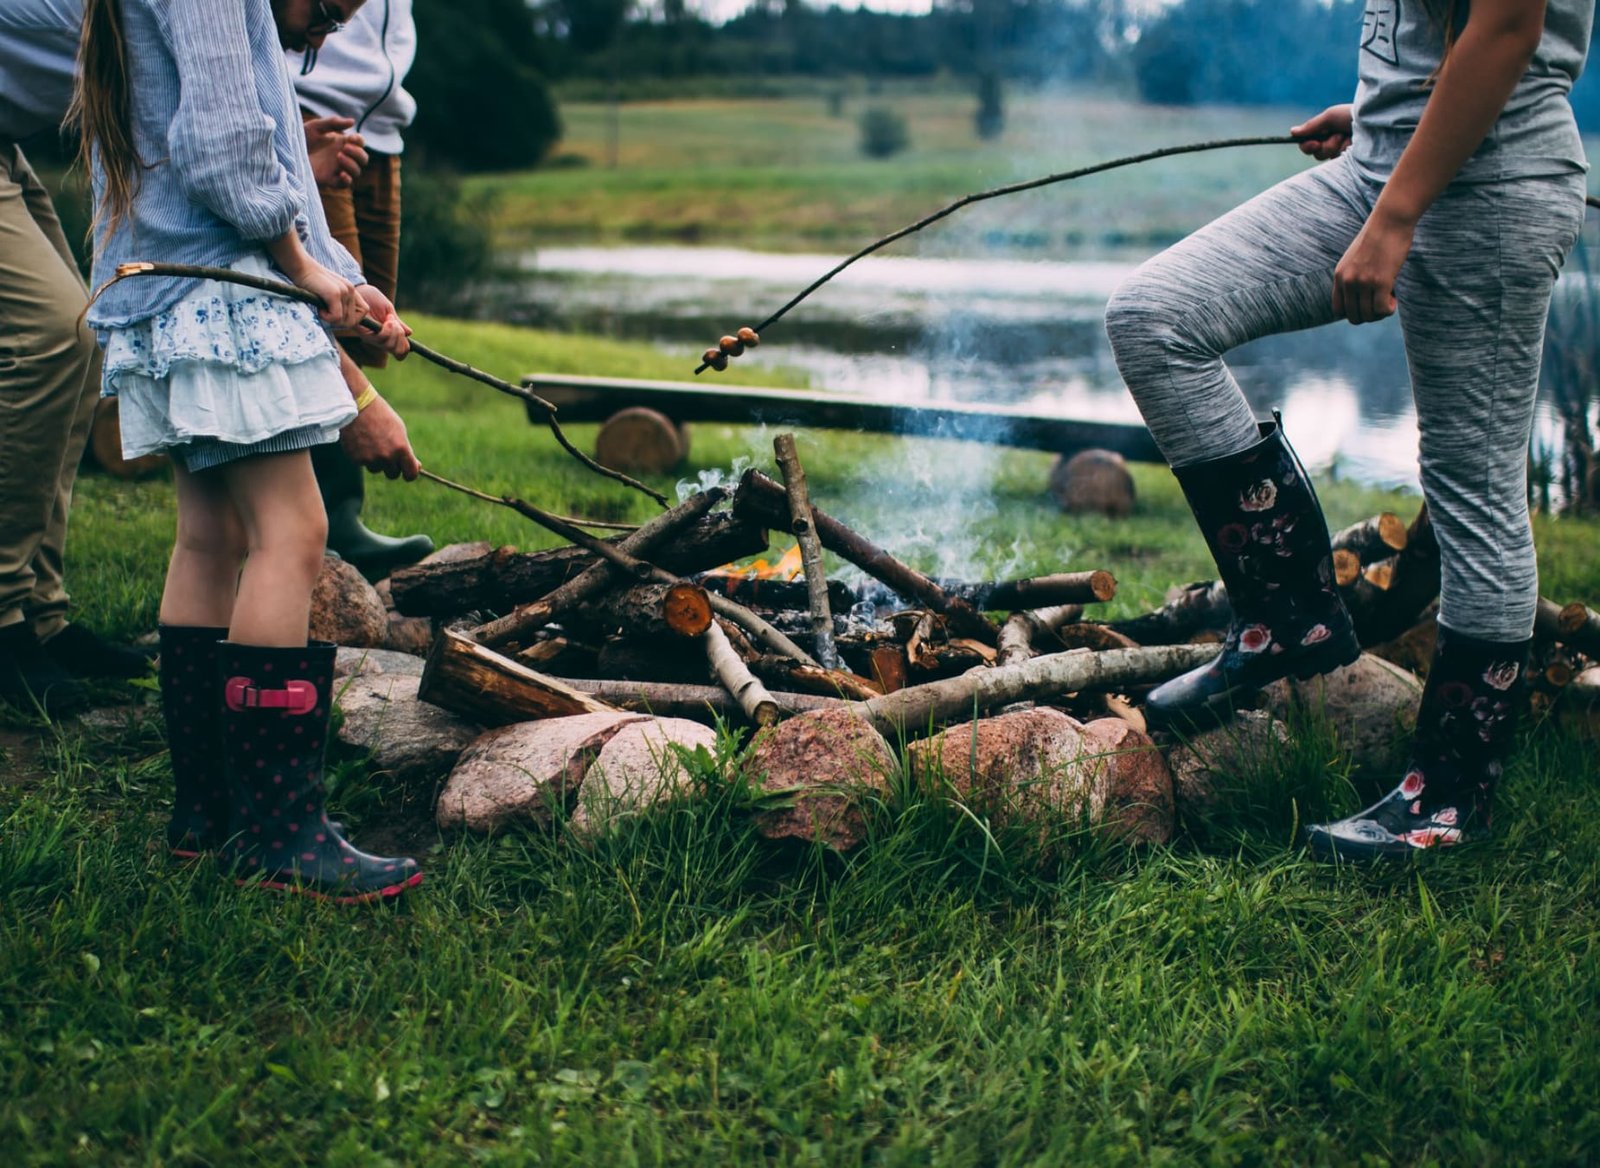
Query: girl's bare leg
(209,550)
(285,528)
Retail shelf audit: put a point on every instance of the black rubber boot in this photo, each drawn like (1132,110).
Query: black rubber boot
(30,680)
(344,491)
(1266,532)
(193,718)
(84,653)
(275,726)
(1466,725)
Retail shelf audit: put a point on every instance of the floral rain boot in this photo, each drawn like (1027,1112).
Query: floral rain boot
(275,726)
(1266,532)
(1465,727)
(193,717)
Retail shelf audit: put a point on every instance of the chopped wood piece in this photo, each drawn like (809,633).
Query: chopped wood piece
(1373,539)
(1383,614)
(1196,607)
(469,679)
(1093,636)
(1380,575)
(1094,587)
(640,440)
(1346,567)
(1580,628)
(653,610)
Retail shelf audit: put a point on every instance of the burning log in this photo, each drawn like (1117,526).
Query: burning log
(759,499)
(469,679)
(803,527)
(504,577)
(768,593)
(737,679)
(912,710)
(656,611)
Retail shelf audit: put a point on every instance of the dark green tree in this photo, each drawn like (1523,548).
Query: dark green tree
(482,101)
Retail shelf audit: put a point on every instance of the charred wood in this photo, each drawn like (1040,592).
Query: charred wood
(802,525)
(1197,607)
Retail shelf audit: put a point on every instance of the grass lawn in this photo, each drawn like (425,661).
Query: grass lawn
(684,993)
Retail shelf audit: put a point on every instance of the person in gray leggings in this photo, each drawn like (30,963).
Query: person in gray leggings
(1451,191)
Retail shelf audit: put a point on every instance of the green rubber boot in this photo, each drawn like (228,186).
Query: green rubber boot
(344,491)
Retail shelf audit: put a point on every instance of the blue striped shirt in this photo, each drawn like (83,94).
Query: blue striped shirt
(225,167)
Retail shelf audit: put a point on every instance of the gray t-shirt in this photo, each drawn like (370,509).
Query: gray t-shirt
(1535,134)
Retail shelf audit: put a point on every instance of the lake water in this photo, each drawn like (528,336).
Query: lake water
(997,331)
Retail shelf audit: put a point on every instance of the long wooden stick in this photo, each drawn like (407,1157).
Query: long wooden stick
(1010,189)
(914,710)
(805,531)
(278,287)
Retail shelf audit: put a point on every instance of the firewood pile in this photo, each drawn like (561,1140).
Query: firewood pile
(1026,705)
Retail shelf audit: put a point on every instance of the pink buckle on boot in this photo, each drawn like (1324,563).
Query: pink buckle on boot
(296,697)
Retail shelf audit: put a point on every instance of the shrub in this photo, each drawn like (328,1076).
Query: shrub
(883,132)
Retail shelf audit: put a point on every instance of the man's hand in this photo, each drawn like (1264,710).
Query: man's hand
(392,337)
(337,157)
(377,440)
(1328,134)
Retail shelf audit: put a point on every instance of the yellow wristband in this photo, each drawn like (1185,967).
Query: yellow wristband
(366,397)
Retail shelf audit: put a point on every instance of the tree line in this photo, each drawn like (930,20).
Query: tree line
(485,68)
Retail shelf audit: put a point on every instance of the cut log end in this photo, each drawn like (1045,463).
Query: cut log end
(639,440)
(686,610)
(1346,567)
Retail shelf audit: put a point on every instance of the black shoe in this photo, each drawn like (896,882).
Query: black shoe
(1466,725)
(83,653)
(274,729)
(344,492)
(1266,532)
(30,680)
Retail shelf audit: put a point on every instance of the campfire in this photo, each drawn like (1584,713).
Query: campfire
(660,625)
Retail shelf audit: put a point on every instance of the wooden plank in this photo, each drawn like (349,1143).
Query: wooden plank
(593,399)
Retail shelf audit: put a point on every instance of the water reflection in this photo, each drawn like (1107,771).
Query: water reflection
(997,331)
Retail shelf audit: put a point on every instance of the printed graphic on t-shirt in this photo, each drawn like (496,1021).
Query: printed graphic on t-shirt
(1378,24)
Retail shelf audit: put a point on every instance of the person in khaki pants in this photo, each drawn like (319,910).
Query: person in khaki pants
(49,381)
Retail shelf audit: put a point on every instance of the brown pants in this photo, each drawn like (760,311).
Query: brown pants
(365,217)
(49,382)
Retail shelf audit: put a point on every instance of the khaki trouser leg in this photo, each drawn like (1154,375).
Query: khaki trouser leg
(49,364)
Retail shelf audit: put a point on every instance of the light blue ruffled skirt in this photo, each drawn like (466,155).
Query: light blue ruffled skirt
(227,372)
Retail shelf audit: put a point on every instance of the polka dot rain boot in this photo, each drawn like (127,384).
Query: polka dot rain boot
(193,717)
(1266,532)
(275,726)
(1466,725)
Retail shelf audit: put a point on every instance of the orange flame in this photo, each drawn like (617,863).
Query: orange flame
(787,567)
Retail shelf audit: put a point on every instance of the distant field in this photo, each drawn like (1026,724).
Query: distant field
(787,174)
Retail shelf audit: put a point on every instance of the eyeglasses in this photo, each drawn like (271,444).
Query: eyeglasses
(324,19)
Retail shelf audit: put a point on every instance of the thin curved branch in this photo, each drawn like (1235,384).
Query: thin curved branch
(1011,189)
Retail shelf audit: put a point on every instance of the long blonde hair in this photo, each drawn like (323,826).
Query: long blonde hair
(102,112)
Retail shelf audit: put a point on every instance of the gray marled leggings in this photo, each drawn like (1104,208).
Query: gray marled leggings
(1473,298)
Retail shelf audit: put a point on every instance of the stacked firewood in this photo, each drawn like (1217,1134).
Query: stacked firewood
(1033,715)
